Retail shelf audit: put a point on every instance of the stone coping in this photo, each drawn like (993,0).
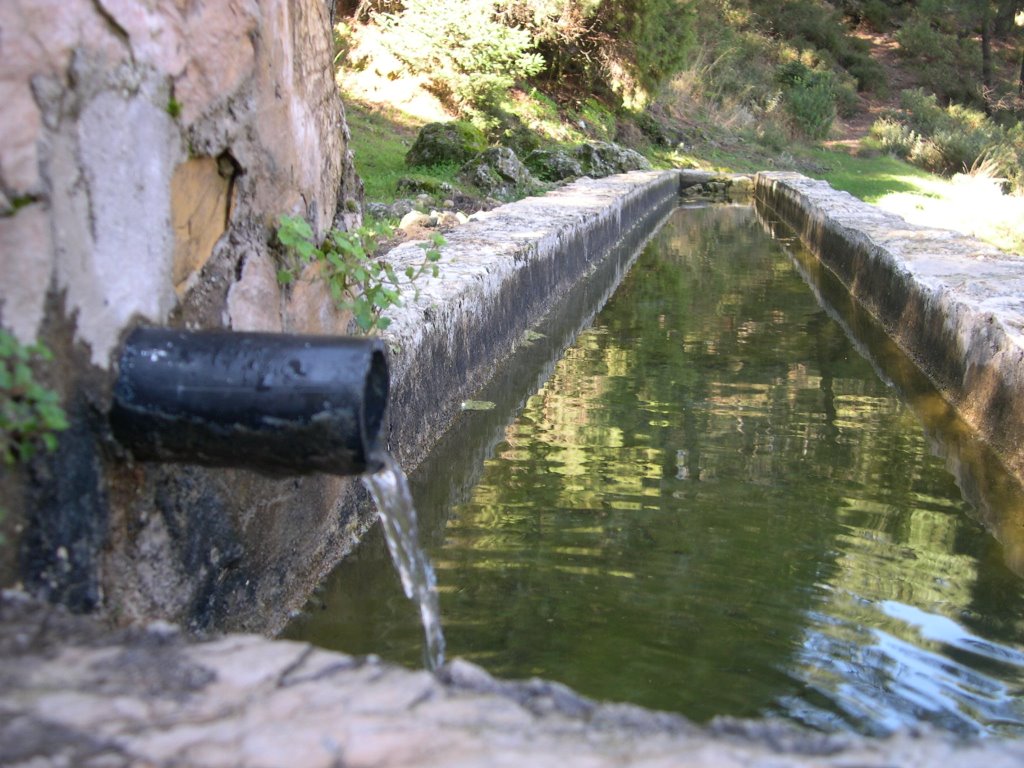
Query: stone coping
(75,694)
(500,273)
(953,304)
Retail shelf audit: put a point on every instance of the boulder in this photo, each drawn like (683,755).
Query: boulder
(553,164)
(410,187)
(499,172)
(601,158)
(414,219)
(439,143)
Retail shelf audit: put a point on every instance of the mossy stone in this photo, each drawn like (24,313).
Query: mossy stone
(440,143)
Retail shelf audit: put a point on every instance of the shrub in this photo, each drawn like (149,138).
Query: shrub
(810,98)
(921,110)
(845,94)
(359,281)
(812,105)
(893,137)
(811,23)
(876,14)
(470,58)
(946,64)
(952,139)
(627,47)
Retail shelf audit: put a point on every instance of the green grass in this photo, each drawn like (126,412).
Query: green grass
(973,205)
(872,178)
(379,143)
(381,138)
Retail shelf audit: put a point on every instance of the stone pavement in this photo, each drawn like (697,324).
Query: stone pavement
(73,693)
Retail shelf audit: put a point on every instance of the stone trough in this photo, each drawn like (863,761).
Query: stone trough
(74,693)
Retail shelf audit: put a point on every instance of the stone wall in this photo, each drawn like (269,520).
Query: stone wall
(146,151)
(954,305)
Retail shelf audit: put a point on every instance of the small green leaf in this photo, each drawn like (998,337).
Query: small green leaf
(347,246)
(478,405)
(285,276)
(306,250)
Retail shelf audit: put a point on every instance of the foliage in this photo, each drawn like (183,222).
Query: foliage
(951,139)
(469,57)
(379,143)
(810,98)
(30,414)
(877,14)
(662,33)
(360,283)
(893,137)
(808,25)
(946,64)
(626,47)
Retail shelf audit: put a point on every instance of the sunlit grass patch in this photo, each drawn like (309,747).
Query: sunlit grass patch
(379,143)
(974,205)
(970,204)
(872,178)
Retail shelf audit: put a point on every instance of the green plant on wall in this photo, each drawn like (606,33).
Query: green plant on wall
(30,414)
(358,281)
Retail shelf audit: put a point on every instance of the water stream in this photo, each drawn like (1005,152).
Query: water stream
(390,490)
(730,496)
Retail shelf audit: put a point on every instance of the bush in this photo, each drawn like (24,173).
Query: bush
(921,111)
(893,137)
(812,106)
(470,58)
(809,22)
(952,139)
(626,47)
(809,97)
(945,63)
(845,94)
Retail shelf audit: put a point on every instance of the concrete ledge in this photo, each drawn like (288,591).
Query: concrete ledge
(952,303)
(499,275)
(75,694)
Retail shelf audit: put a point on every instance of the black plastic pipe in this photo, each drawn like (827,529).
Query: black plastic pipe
(277,403)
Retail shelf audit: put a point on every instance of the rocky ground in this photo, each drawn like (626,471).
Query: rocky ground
(73,693)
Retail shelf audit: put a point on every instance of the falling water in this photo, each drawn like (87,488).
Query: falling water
(390,490)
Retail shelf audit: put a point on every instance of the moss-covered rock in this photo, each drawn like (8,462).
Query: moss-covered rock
(499,172)
(439,143)
(602,158)
(408,186)
(553,164)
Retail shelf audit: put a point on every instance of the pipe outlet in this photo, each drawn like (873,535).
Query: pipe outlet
(280,404)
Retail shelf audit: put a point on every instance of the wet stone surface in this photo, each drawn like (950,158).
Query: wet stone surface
(74,693)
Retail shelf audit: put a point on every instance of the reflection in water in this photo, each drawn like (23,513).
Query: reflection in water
(714,505)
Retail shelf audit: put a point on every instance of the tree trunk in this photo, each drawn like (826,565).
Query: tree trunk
(986,59)
(1020,89)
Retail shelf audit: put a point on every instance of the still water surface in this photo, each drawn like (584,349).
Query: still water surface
(713,504)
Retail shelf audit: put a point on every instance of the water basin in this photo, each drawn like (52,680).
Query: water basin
(729,496)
